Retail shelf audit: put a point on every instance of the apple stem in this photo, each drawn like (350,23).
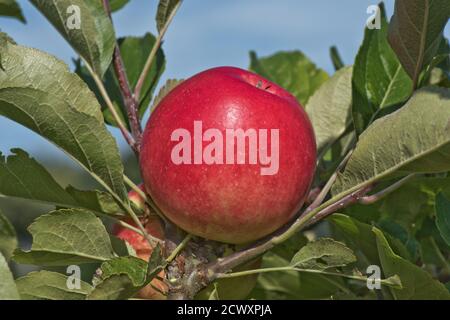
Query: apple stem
(128,98)
(178,249)
(129,226)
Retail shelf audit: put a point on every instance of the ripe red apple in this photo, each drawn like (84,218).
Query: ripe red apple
(228,155)
(142,247)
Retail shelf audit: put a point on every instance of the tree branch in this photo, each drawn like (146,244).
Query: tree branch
(323,193)
(131,104)
(174,273)
(178,249)
(390,282)
(308,218)
(377,196)
(153,52)
(344,202)
(225,264)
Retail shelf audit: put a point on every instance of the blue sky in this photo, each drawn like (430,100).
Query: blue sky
(205,34)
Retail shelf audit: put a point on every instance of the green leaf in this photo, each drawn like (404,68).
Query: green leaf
(329,109)
(10,8)
(8,237)
(164,91)
(401,213)
(165,8)
(23,177)
(379,80)
(431,234)
(442,58)
(215,293)
(121,247)
(432,255)
(94,40)
(47,285)
(443,216)
(417,284)
(322,254)
(336,58)
(438,72)
(135,51)
(432,185)
(119,279)
(406,213)
(82,137)
(8,289)
(292,284)
(287,249)
(359,237)
(67,236)
(117,287)
(96,200)
(439,77)
(391,227)
(116,5)
(5,39)
(134,267)
(38,91)
(291,70)
(416,31)
(407,206)
(416,138)
(24,67)
(156,263)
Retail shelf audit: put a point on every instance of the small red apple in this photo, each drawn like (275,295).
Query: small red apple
(142,247)
(228,155)
(136,199)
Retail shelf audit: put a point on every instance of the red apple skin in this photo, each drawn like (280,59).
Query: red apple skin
(231,203)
